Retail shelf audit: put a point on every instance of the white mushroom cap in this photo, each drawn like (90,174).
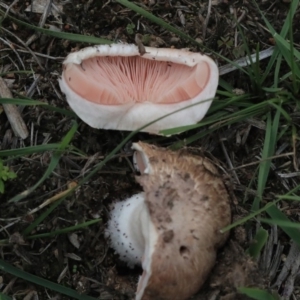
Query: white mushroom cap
(115,87)
(186,204)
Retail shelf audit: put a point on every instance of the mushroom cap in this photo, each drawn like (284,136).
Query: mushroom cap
(188,204)
(116,87)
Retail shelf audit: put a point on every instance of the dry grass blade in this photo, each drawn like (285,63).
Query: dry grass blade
(15,119)
(246,61)
(71,186)
(5,267)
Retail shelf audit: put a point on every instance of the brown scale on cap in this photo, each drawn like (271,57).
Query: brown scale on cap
(188,205)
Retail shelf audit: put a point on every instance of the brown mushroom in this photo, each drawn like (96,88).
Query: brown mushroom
(173,227)
(117,87)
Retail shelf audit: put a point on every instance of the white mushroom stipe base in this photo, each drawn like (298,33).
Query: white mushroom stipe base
(126,237)
(173,227)
(115,87)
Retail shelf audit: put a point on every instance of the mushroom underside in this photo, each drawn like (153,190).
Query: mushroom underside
(117,80)
(114,87)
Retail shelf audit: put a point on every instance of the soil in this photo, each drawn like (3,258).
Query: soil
(82,260)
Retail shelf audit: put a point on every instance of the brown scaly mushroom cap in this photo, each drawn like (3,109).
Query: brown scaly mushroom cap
(174,226)
(117,87)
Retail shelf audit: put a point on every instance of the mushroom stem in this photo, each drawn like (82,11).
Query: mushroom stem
(128,229)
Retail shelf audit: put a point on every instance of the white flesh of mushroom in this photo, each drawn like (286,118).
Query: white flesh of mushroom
(114,87)
(129,229)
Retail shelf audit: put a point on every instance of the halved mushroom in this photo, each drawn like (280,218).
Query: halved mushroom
(173,227)
(116,87)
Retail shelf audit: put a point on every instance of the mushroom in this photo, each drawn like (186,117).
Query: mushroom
(173,227)
(117,87)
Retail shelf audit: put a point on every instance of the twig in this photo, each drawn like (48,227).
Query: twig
(9,7)
(20,41)
(13,115)
(31,90)
(288,175)
(56,197)
(229,161)
(9,285)
(36,53)
(47,10)
(10,224)
(14,50)
(206,19)
(240,18)
(262,160)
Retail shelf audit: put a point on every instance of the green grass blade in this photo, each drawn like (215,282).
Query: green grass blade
(249,217)
(64,230)
(287,46)
(272,89)
(268,150)
(4,297)
(288,21)
(62,35)
(289,52)
(6,267)
(47,212)
(227,118)
(253,68)
(283,33)
(29,150)
(258,243)
(30,102)
(265,165)
(225,85)
(257,294)
(294,66)
(52,165)
(282,111)
(210,130)
(44,215)
(279,217)
(267,207)
(287,224)
(274,58)
(277,70)
(124,141)
(157,20)
(19,101)
(291,198)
